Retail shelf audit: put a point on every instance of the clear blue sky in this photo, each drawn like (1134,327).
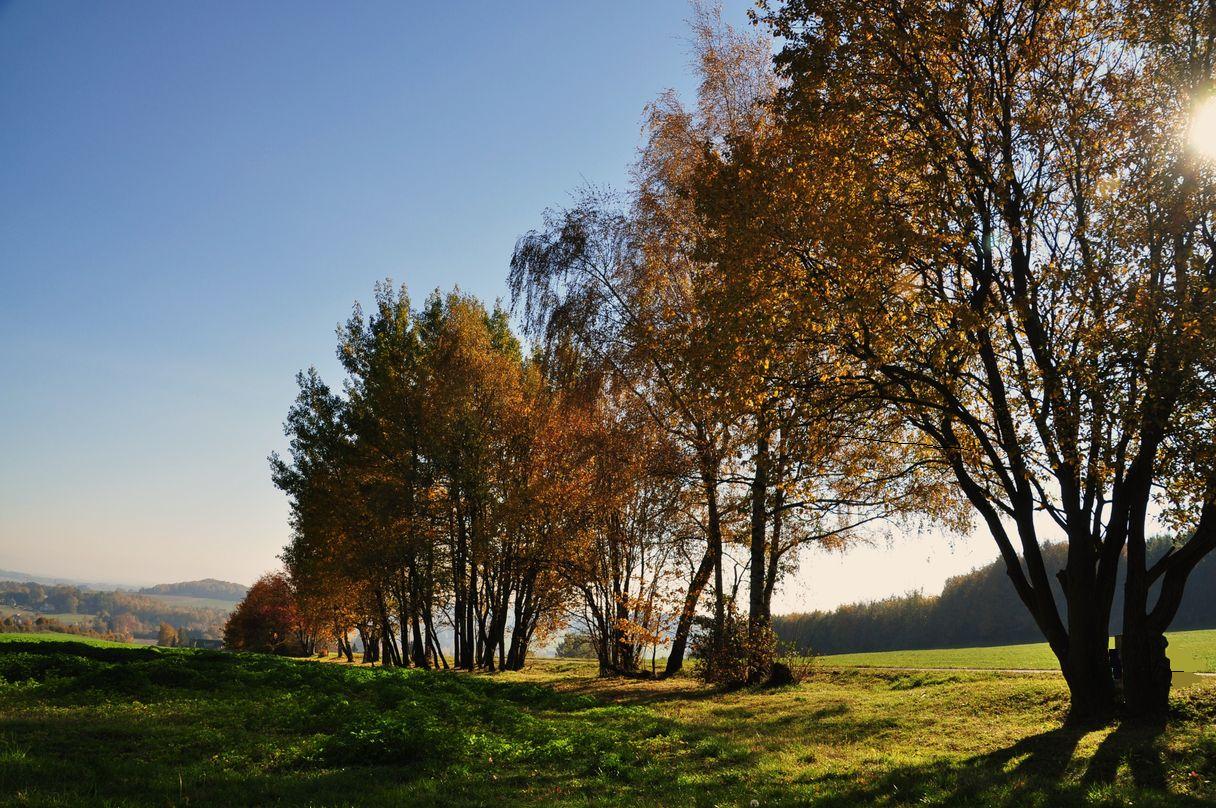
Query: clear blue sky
(193,195)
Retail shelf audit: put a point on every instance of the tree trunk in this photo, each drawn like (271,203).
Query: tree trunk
(675,659)
(1146,672)
(756,616)
(714,520)
(1085,661)
(433,640)
(1146,668)
(458,641)
(369,645)
(471,647)
(417,648)
(1086,670)
(774,551)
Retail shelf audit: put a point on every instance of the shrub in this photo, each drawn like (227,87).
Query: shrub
(575,646)
(415,732)
(24,666)
(799,664)
(733,655)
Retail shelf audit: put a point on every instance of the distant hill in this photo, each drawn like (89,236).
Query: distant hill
(206,588)
(976,609)
(48,580)
(26,605)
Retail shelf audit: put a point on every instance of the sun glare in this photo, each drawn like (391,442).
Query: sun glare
(1203,128)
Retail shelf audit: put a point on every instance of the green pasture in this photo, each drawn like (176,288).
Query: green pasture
(87,725)
(1192,651)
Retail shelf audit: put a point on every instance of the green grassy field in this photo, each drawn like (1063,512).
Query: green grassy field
(1193,651)
(86,725)
(59,637)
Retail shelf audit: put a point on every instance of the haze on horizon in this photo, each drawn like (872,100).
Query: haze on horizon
(188,207)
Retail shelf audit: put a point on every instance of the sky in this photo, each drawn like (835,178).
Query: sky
(192,196)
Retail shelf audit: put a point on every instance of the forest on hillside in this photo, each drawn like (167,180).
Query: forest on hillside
(122,615)
(976,609)
(205,588)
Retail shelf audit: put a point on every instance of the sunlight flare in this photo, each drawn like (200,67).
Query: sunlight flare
(1203,128)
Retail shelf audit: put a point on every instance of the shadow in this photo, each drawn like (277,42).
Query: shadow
(642,692)
(231,730)
(1043,756)
(829,712)
(1033,771)
(1133,743)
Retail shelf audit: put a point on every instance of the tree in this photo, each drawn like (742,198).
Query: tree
(673,304)
(167,636)
(575,646)
(127,624)
(428,490)
(583,282)
(267,619)
(624,557)
(990,216)
(475,385)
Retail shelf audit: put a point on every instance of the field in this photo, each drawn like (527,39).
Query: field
(82,724)
(192,602)
(56,637)
(1193,651)
(67,618)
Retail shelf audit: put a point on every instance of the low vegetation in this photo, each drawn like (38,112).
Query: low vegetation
(9,641)
(175,727)
(155,726)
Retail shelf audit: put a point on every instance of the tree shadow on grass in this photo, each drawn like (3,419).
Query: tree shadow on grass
(1137,745)
(1032,772)
(641,692)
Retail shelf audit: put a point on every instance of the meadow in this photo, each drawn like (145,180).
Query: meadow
(1193,651)
(67,618)
(15,640)
(84,724)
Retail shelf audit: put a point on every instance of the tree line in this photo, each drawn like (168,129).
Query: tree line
(949,261)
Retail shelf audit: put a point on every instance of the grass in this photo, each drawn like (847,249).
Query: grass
(148,726)
(83,724)
(58,637)
(1193,651)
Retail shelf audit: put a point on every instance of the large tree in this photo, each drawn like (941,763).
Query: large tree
(812,464)
(989,214)
(687,321)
